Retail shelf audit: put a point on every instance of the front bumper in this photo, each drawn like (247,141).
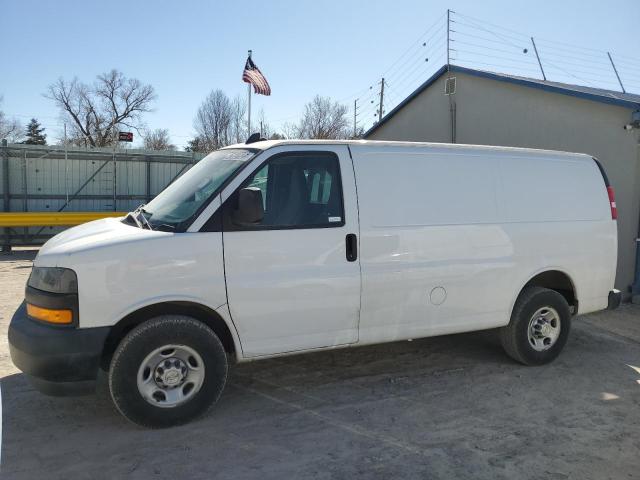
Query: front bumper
(58,361)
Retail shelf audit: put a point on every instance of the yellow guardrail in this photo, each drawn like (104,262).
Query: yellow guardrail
(52,219)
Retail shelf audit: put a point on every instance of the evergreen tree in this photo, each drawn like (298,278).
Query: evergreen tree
(34,133)
(196,145)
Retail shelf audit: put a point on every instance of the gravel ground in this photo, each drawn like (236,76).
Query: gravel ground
(446,407)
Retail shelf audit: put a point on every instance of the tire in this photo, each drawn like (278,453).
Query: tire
(192,347)
(530,349)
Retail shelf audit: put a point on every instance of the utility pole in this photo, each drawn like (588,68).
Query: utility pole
(249,105)
(66,165)
(616,72)
(4,158)
(452,103)
(535,49)
(448,29)
(355,117)
(380,106)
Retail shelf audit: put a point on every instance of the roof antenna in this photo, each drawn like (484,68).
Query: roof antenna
(254,137)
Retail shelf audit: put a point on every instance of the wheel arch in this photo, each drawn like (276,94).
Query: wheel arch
(552,278)
(195,310)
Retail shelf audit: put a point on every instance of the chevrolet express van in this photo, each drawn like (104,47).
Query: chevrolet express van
(281,247)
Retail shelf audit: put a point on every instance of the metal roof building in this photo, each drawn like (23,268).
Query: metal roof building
(463,105)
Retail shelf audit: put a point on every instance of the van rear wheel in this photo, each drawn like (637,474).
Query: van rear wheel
(167,371)
(539,326)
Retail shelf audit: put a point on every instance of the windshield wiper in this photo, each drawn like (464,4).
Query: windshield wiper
(132,217)
(142,213)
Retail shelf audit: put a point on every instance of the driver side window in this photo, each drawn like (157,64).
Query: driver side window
(292,190)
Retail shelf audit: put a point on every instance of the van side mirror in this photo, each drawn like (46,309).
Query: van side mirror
(250,206)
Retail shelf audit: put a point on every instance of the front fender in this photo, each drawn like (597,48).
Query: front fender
(115,280)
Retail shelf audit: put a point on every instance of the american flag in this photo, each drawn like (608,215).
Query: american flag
(254,76)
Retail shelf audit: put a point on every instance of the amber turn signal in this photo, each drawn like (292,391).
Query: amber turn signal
(59,317)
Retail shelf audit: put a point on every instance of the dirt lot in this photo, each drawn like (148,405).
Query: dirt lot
(447,407)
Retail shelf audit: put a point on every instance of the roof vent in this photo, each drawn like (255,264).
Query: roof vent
(254,137)
(450,86)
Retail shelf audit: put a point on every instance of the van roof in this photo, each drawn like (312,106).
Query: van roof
(267,144)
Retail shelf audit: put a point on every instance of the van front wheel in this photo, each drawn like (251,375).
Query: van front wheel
(167,371)
(539,326)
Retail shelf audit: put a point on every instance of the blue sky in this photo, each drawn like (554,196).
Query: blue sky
(334,48)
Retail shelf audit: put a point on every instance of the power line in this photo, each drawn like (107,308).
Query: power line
(426,58)
(511,52)
(470,18)
(473,62)
(573,53)
(504,38)
(34,116)
(416,42)
(548,63)
(491,40)
(431,48)
(573,47)
(353,95)
(401,74)
(627,63)
(576,64)
(590,52)
(404,60)
(410,82)
(473,40)
(635,71)
(490,55)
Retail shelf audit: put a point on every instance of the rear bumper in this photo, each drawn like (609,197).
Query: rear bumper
(615,297)
(59,361)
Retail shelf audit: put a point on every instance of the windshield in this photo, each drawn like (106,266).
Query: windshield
(183,198)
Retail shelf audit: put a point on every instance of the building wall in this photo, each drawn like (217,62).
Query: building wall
(425,119)
(491,112)
(46,179)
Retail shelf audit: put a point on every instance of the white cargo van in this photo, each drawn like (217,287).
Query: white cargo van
(279,247)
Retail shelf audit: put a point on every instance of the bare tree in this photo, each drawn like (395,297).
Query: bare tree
(291,130)
(359,133)
(10,128)
(213,121)
(157,139)
(220,122)
(263,124)
(96,112)
(238,132)
(324,119)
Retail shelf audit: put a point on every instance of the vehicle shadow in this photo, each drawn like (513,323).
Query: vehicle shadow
(451,406)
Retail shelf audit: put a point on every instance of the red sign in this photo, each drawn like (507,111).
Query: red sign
(125,136)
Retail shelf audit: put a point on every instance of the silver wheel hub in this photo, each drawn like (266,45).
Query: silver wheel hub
(544,329)
(170,375)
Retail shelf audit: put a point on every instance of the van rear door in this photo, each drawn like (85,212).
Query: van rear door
(293,277)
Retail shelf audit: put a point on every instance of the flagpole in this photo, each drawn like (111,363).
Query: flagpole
(249,105)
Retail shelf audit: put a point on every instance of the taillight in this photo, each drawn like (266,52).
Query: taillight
(612,202)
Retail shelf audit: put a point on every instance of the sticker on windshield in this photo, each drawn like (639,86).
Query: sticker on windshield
(335,219)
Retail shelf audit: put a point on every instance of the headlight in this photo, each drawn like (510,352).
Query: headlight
(54,280)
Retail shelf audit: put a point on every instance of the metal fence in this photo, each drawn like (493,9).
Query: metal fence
(54,179)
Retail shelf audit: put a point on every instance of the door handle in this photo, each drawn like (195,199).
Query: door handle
(352,247)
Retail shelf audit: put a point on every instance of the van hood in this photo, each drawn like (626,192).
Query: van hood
(99,234)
